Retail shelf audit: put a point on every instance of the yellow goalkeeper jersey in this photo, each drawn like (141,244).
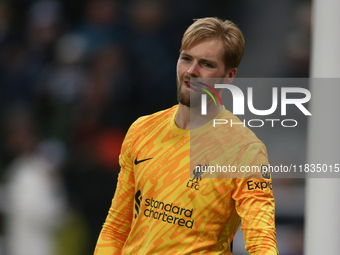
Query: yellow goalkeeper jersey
(163,205)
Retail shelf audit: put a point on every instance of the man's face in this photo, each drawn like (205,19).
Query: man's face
(203,60)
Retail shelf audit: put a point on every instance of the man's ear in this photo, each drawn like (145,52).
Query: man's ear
(230,75)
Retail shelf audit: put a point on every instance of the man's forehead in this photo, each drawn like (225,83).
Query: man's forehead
(208,49)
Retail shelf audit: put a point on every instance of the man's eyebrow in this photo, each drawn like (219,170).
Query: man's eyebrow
(213,62)
(185,54)
(208,60)
(201,59)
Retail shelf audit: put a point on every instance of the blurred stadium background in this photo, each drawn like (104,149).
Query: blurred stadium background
(75,74)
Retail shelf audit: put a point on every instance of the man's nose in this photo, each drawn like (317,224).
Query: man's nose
(194,70)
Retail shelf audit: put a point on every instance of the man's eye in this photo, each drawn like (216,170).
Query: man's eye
(185,58)
(208,65)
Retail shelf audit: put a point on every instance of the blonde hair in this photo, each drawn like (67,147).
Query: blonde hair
(226,31)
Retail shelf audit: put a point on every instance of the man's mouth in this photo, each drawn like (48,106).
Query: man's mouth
(191,86)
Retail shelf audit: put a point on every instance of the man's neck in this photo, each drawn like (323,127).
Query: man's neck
(191,118)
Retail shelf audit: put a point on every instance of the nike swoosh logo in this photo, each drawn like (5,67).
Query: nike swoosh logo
(140,161)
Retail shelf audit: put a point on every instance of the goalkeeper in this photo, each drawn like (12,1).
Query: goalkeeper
(157,207)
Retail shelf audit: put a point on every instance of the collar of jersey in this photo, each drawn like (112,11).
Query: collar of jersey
(186,132)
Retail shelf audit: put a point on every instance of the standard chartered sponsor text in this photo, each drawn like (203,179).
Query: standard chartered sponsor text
(168,213)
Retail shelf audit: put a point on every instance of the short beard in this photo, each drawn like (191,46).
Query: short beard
(189,99)
(181,98)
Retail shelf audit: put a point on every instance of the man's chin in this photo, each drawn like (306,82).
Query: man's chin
(189,103)
(188,99)
(183,101)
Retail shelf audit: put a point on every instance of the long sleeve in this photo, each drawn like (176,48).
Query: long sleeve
(255,204)
(117,225)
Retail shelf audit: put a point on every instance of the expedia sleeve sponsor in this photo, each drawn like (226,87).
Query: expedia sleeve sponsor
(253,184)
(168,213)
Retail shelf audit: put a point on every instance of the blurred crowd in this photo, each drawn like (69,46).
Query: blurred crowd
(74,75)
